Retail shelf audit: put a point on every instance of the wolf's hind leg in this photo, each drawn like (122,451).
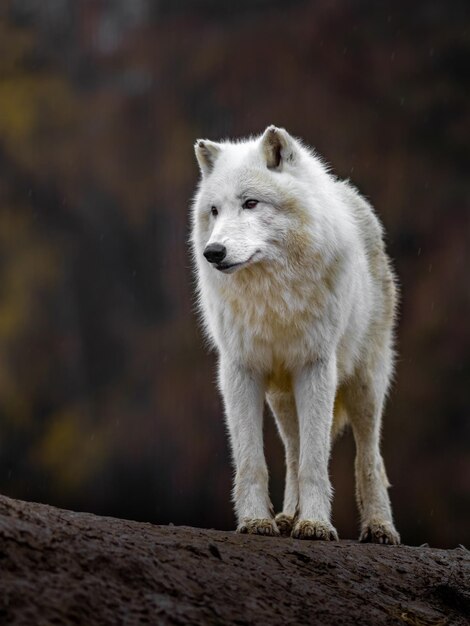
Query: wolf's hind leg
(282,404)
(364,396)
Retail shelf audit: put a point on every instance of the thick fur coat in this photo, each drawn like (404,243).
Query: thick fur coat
(297,295)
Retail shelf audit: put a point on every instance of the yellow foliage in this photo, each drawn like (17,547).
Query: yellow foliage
(34,105)
(29,266)
(15,43)
(29,270)
(69,451)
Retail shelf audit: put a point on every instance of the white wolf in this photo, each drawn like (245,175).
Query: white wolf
(298,296)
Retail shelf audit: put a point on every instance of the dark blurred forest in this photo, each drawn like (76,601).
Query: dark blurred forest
(107,394)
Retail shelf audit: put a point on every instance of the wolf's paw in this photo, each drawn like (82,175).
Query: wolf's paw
(285,523)
(379,532)
(309,529)
(258,526)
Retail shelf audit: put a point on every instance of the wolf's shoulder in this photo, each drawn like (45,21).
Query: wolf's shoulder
(362,212)
(372,235)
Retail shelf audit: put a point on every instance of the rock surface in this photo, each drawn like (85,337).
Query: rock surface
(60,567)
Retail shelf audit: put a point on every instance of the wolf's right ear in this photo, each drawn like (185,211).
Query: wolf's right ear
(277,147)
(206,155)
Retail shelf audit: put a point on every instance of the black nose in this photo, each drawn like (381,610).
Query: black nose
(215,252)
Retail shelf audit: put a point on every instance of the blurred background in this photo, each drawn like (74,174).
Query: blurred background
(107,395)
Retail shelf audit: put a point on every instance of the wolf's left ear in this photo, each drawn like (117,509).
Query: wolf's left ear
(277,147)
(206,154)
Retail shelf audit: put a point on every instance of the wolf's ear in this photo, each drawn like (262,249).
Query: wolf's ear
(277,147)
(206,154)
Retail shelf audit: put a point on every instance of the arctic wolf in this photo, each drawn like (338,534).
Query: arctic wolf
(297,295)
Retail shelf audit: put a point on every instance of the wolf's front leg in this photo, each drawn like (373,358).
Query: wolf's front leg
(314,388)
(243,395)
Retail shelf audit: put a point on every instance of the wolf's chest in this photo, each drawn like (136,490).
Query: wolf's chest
(272,323)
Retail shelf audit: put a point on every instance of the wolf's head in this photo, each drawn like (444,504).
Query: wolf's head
(247,206)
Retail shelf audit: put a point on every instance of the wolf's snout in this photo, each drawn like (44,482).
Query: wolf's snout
(215,252)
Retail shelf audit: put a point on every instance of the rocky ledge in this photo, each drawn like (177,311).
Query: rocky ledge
(61,567)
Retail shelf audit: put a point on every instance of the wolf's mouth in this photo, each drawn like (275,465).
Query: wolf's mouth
(228,268)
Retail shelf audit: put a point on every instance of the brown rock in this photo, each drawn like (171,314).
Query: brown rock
(60,567)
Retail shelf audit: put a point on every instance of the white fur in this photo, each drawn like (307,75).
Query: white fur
(301,313)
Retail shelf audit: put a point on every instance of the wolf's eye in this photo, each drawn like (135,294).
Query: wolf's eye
(250,203)
(214,211)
